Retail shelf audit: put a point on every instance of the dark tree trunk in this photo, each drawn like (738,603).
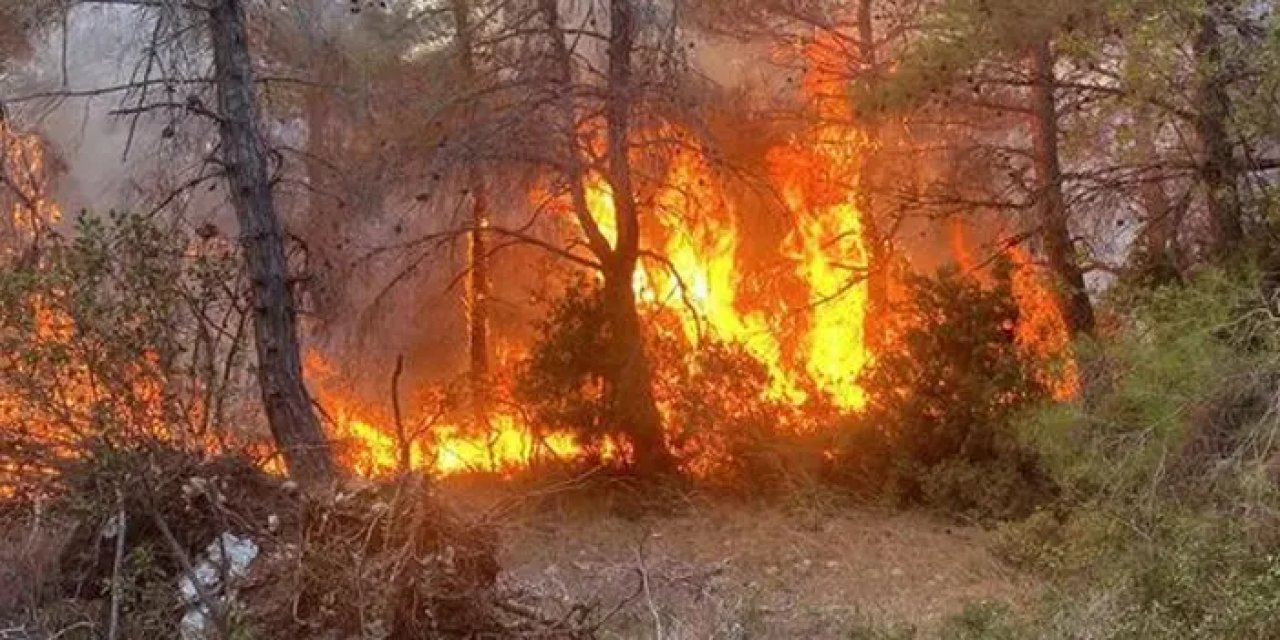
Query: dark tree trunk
(575,166)
(479,291)
(629,399)
(286,401)
(480,283)
(630,391)
(1218,169)
(632,401)
(1055,231)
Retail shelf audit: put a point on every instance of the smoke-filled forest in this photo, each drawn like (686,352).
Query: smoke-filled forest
(662,319)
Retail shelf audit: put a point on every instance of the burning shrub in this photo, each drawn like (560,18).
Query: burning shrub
(723,424)
(563,379)
(715,397)
(124,332)
(938,426)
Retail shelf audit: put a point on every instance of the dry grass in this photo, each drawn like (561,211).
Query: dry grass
(720,570)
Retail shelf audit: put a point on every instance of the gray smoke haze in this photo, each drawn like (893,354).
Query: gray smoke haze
(103,48)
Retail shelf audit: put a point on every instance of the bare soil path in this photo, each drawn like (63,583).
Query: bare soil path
(738,571)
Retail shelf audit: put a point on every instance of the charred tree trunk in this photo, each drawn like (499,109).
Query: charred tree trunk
(287,404)
(632,400)
(1218,168)
(629,399)
(479,291)
(1055,230)
(480,285)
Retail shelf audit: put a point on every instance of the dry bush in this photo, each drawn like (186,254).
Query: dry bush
(380,561)
(367,561)
(125,332)
(30,543)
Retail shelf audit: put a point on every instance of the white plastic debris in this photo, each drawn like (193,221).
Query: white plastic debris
(209,572)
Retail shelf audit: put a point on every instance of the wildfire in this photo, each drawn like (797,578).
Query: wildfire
(24,182)
(502,445)
(837,351)
(694,272)
(1042,329)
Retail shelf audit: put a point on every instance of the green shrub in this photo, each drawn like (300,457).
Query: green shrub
(562,381)
(121,331)
(1168,512)
(939,426)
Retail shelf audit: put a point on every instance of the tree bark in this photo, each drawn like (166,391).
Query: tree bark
(879,254)
(1055,230)
(1157,245)
(287,404)
(629,398)
(632,402)
(1219,170)
(480,285)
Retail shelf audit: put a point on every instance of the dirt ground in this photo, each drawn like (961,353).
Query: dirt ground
(716,570)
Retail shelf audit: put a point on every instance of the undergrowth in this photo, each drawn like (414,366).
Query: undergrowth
(1167,524)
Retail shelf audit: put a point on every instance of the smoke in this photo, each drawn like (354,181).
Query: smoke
(101,48)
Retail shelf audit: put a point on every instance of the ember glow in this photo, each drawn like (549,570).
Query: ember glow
(25,170)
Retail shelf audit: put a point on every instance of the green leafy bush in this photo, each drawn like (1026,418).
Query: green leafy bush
(939,425)
(562,381)
(121,331)
(1166,527)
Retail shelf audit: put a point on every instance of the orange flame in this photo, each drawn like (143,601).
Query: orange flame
(25,173)
(1042,328)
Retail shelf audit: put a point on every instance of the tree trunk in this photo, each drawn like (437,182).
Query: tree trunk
(879,254)
(575,166)
(630,401)
(480,285)
(1218,168)
(286,401)
(632,389)
(1055,231)
(1158,243)
(479,291)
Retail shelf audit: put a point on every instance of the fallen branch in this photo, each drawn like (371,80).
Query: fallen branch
(117,580)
